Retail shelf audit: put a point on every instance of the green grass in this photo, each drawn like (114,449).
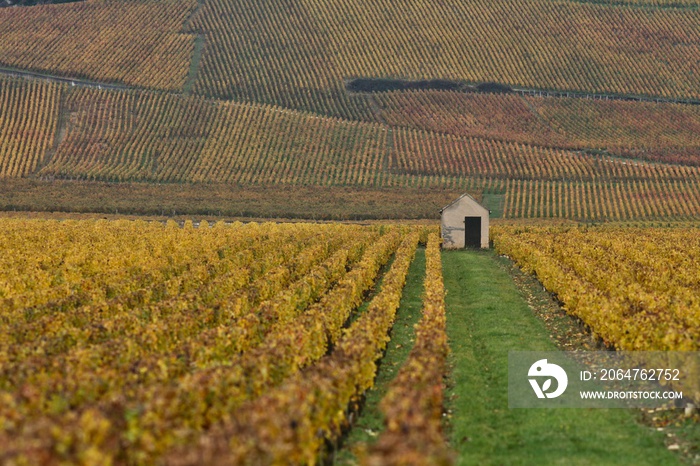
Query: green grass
(495,203)
(487,317)
(194,65)
(371,421)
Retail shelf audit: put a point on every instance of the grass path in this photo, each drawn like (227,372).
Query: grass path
(194,64)
(486,317)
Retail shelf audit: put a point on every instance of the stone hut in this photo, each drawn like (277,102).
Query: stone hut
(465,224)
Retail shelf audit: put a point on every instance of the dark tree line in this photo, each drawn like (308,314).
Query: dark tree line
(4,3)
(387,85)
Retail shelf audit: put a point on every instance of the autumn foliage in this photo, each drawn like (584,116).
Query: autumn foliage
(635,287)
(133,42)
(124,342)
(413,405)
(29,115)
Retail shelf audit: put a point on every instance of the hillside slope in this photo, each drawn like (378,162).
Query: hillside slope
(266,102)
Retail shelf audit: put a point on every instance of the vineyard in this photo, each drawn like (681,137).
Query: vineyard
(132,42)
(57,132)
(151,137)
(28,122)
(635,288)
(122,136)
(252,95)
(649,3)
(297,54)
(129,342)
(68,199)
(601,201)
(642,130)
(134,342)
(137,136)
(310,47)
(168,348)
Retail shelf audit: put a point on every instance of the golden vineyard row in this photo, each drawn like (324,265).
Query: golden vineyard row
(635,287)
(125,341)
(413,405)
(291,423)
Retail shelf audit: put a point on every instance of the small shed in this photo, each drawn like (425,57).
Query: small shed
(465,224)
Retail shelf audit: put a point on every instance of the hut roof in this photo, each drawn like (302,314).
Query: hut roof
(459,199)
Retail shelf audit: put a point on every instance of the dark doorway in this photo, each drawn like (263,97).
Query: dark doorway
(472,232)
